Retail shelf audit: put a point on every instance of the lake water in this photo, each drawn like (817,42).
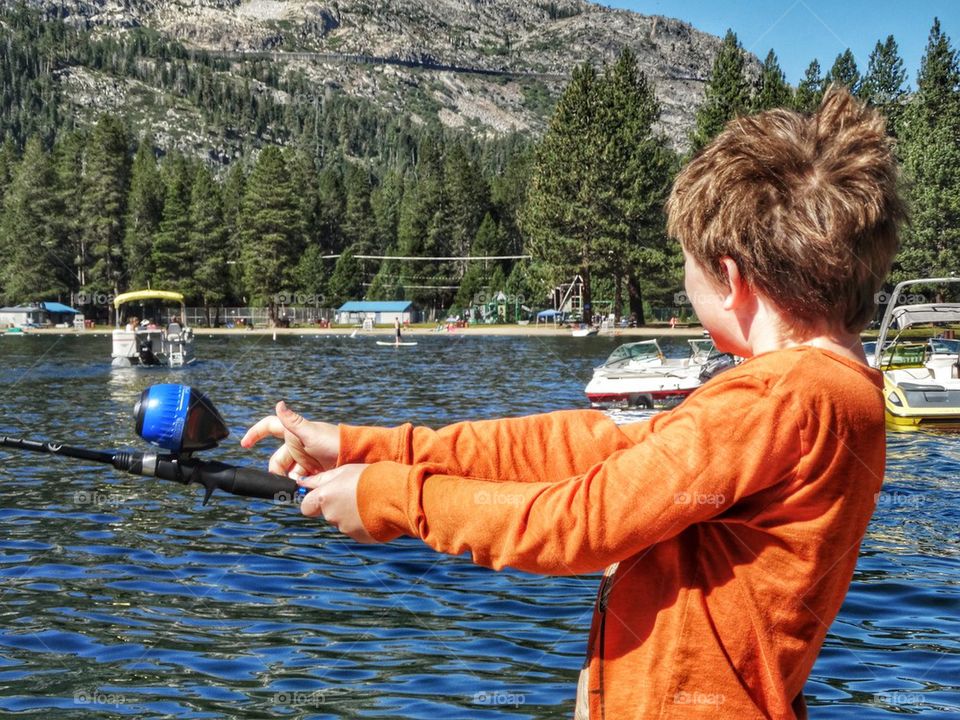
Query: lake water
(122,596)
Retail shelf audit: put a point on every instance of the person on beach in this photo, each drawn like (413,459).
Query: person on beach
(727,528)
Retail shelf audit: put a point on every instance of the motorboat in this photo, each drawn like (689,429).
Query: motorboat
(149,345)
(585,331)
(921,368)
(639,374)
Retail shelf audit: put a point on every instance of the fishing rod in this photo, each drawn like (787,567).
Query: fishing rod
(183,421)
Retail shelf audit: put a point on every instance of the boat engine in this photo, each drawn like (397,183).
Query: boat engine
(716,365)
(145,351)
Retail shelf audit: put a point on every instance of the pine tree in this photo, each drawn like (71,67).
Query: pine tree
(357,226)
(173,263)
(476,279)
(385,205)
(271,230)
(346,281)
(106,186)
(332,207)
(311,277)
(771,90)
(8,160)
(303,173)
(810,90)
(234,186)
(68,162)
(844,72)
(883,85)
(727,93)
(467,195)
(424,229)
(930,153)
(637,174)
(508,194)
(36,263)
(207,243)
(561,217)
(144,212)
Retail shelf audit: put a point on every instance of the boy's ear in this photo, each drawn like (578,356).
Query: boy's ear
(738,292)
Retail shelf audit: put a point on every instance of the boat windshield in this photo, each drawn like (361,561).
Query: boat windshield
(647,351)
(701,350)
(944,346)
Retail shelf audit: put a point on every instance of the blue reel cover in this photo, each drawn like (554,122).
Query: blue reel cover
(162,415)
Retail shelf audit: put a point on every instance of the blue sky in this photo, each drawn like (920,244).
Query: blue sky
(802,30)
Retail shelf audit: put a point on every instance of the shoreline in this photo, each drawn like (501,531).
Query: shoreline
(479,331)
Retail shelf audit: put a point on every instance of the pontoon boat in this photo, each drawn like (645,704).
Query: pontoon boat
(151,345)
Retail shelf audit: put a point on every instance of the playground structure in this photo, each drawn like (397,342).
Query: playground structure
(500,308)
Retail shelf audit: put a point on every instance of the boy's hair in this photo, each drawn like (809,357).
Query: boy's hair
(807,206)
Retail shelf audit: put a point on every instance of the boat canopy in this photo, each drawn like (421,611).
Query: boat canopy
(147,295)
(905,316)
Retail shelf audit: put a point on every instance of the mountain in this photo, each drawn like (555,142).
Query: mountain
(488,67)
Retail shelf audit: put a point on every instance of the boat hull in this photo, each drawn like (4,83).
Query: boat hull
(648,390)
(914,406)
(151,348)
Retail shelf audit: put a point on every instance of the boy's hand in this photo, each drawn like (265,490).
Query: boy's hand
(333,494)
(308,447)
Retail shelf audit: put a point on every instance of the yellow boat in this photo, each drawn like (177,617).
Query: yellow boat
(921,376)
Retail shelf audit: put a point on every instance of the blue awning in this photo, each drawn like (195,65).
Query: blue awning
(548,314)
(55,307)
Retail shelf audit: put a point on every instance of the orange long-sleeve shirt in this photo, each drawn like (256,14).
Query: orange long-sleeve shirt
(729,526)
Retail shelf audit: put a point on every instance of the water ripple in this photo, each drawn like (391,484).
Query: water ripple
(124,597)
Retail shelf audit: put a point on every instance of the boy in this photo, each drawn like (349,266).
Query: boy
(729,527)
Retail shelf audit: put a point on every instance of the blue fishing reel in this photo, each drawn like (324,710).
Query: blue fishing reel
(179,419)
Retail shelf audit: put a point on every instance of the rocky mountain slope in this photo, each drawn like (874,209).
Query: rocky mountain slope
(488,66)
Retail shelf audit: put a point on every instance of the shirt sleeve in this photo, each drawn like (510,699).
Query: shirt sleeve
(526,449)
(728,441)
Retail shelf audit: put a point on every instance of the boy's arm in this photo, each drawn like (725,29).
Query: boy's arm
(526,449)
(695,462)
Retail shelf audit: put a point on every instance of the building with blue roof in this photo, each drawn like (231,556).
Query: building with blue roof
(379,312)
(37,314)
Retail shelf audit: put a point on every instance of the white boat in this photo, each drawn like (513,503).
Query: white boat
(145,346)
(638,374)
(921,373)
(585,331)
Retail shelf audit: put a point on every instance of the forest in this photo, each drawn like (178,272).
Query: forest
(91,210)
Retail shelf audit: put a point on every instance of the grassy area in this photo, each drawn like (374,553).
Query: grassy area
(913,333)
